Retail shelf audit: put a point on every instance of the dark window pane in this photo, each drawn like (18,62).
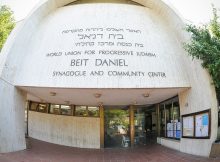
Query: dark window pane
(162,121)
(80,111)
(65,110)
(42,108)
(176,111)
(34,106)
(54,109)
(93,111)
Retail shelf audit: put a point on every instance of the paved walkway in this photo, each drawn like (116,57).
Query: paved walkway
(46,152)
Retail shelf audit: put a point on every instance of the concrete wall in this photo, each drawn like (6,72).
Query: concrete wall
(200,97)
(72,131)
(12,104)
(173,144)
(12,101)
(152,34)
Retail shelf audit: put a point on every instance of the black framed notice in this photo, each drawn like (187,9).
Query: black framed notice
(197,125)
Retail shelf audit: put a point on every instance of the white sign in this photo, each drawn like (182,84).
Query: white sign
(96,49)
(202,125)
(188,126)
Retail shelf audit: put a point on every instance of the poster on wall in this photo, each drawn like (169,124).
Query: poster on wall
(202,125)
(169,129)
(178,130)
(188,126)
(174,129)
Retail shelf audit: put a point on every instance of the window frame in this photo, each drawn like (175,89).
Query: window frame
(87,111)
(71,110)
(164,108)
(72,107)
(37,107)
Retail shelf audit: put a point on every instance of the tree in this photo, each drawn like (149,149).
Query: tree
(7,23)
(205,46)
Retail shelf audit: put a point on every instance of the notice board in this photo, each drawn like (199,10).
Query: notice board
(188,126)
(197,125)
(202,125)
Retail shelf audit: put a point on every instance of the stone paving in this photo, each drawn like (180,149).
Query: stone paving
(46,152)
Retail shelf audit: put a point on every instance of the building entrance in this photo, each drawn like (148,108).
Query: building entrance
(123,128)
(117,127)
(145,125)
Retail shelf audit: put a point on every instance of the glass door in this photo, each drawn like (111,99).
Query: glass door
(116,127)
(140,127)
(145,125)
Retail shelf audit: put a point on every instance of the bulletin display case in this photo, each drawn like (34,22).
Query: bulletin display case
(197,125)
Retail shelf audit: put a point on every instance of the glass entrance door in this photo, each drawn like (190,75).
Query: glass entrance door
(140,127)
(116,127)
(145,125)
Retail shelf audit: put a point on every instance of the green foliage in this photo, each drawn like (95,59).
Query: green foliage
(115,118)
(205,45)
(214,25)
(7,23)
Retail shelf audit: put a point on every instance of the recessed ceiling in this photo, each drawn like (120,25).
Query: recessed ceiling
(107,96)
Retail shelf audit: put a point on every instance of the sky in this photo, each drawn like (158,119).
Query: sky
(21,8)
(194,11)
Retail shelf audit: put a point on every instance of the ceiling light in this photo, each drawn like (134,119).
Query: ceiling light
(53,93)
(145,95)
(97,95)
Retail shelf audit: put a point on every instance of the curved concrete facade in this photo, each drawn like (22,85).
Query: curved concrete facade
(154,61)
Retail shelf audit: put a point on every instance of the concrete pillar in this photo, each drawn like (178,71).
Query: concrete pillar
(132,130)
(102,125)
(12,115)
